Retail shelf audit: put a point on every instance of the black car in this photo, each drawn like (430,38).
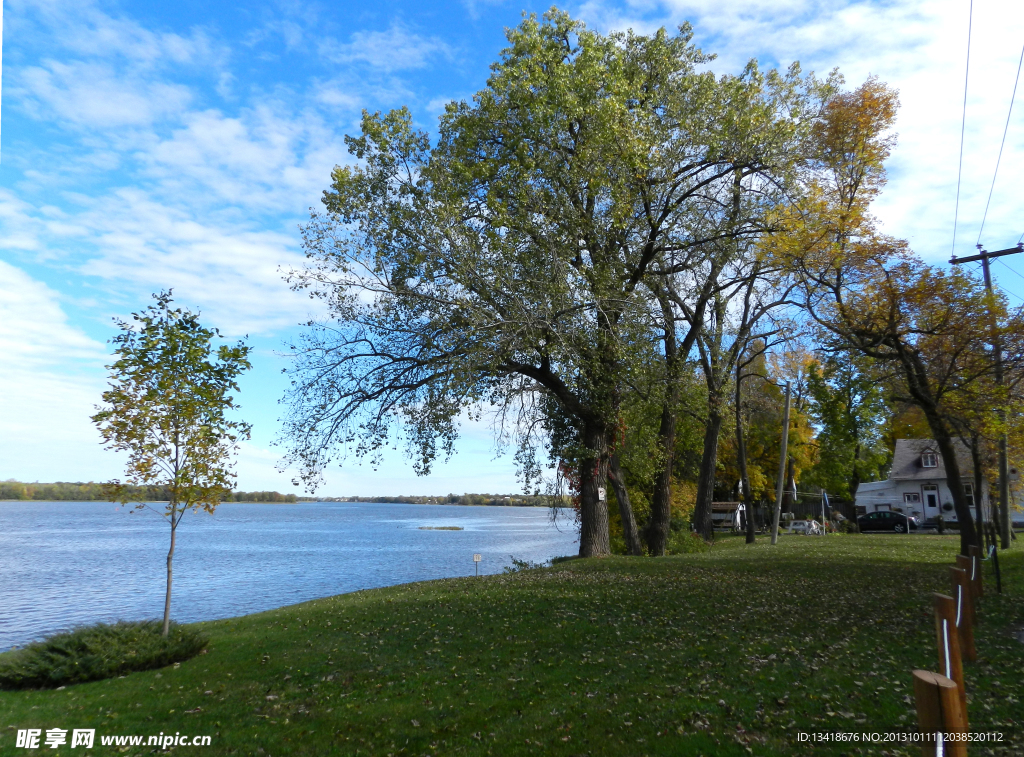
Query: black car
(885,520)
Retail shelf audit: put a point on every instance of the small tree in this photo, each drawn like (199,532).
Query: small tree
(167,406)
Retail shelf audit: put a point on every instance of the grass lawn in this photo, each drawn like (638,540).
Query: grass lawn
(733,652)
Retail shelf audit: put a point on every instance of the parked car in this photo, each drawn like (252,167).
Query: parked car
(806,527)
(886,520)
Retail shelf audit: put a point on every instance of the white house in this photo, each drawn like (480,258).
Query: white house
(917,483)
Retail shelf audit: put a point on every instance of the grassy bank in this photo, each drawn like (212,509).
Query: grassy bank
(728,653)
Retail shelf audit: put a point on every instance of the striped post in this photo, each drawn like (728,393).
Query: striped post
(964,617)
(947,639)
(979,585)
(966,564)
(938,713)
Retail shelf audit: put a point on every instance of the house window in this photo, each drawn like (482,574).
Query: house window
(929,460)
(911,498)
(969,494)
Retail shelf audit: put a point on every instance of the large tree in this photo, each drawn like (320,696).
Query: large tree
(169,407)
(504,264)
(849,405)
(868,293)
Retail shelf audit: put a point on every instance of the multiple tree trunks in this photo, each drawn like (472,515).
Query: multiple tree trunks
(706,478)
(629,529)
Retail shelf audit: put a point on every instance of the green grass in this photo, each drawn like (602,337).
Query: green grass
(93,653)
(731,652)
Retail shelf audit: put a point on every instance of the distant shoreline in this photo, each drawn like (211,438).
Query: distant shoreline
(304,500)
(79,491)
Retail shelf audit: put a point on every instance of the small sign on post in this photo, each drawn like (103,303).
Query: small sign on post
(476,563)
(600,494)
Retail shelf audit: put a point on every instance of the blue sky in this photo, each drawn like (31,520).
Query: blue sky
(148,145)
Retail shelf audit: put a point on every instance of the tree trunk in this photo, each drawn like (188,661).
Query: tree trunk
(741,459)
(791,486)
(917,383)
(657,528)
(706,477)
(968,534)
(593,508)
(855,474)
(979,518)
(629,530)
(170,572)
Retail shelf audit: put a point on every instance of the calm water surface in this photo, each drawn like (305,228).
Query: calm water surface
(63,564)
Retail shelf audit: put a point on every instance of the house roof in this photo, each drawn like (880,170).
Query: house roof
(906,460)
(874,486)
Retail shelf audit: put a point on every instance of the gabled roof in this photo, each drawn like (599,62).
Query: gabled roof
(906,460)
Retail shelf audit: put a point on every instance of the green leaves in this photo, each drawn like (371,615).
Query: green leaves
(168,406)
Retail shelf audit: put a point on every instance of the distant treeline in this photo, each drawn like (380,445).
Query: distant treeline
(93,492)
(492,500)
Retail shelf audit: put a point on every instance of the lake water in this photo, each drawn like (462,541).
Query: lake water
(64,564)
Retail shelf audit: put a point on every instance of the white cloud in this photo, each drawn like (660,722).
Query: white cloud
(336,96)
(919,48)
(50,379)
(392,50)
(95,95)
(84,29)
(227,269)
(34,330)
(268,157)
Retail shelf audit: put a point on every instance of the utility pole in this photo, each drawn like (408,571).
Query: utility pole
(782,470)
(997,348)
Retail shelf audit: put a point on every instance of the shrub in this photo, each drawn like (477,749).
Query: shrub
(685,542)
(518,565)
(92,653)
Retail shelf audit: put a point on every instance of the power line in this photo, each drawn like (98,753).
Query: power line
(963,124)
(1003,289)
(998,286)
(1001,144)
(1012,270)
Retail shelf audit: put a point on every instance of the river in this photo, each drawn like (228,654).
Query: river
(64,564)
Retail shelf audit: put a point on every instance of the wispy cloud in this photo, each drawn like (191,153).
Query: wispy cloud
(34,330)
(393,49)
(917,47)
(95,95)
(83,28)
(228,269)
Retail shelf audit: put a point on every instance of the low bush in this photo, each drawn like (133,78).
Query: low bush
(518,565)
(96,652)
(684,543)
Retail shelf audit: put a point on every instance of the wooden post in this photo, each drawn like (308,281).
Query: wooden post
(947,640)
(939,712)
(979,584)
(964,618)
(966,564)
